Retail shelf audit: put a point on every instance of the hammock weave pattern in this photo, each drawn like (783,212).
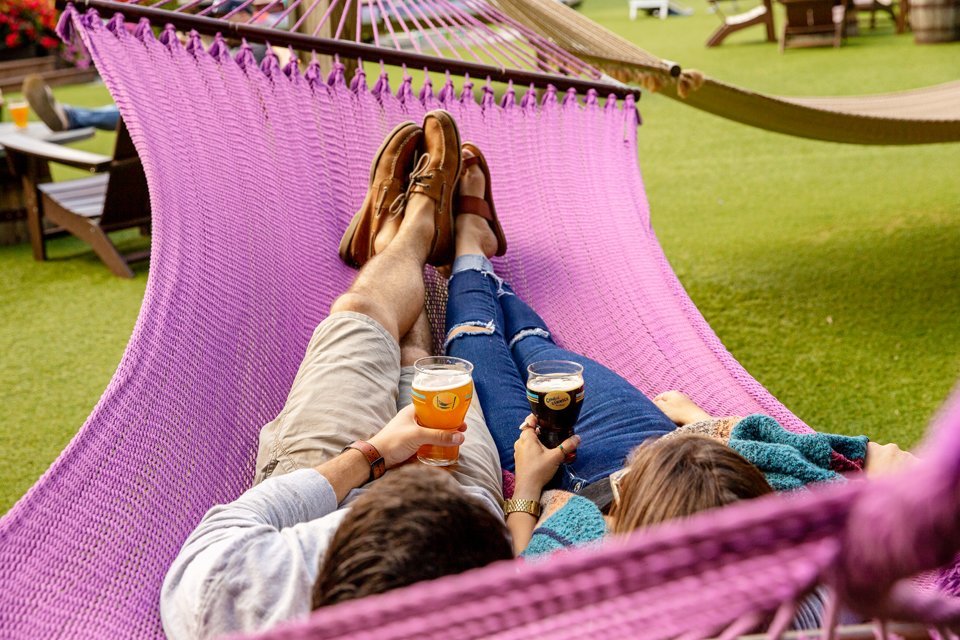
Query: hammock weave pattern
(254,172)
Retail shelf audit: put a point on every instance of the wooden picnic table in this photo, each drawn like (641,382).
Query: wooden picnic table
(13,214)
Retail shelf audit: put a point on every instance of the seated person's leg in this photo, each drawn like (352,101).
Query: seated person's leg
(346,388)
(479,465)
(615,417)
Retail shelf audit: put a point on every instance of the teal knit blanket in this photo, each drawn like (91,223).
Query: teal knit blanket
(791,461)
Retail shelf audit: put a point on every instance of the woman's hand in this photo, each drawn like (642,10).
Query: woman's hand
(399,440)
(535,464)
(884,459)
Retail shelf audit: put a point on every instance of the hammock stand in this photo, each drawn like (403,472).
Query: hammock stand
(247,216)
(923,116)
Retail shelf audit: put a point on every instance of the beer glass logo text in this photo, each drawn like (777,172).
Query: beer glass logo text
(557,400)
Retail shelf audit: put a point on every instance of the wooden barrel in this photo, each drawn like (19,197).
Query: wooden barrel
(933,20)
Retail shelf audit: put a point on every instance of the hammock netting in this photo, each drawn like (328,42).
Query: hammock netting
(254,172)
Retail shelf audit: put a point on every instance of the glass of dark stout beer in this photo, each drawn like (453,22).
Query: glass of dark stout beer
(555,392)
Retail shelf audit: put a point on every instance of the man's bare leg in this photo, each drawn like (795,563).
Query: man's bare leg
(418,343)
(389,288)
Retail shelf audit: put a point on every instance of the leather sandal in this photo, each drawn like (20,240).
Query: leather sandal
(385,201)
(482,207)
(435,176)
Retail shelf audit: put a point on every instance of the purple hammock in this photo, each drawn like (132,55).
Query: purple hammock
(254,172)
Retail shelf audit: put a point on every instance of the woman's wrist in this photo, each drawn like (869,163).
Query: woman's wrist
(527,490)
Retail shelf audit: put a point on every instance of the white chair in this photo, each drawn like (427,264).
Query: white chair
(662,7)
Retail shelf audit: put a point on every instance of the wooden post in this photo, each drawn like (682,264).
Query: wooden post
(329,29)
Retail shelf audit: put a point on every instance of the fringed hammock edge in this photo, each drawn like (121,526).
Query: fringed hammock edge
(254,172)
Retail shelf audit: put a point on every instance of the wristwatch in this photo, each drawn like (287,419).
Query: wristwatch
(525,506)
(377,465)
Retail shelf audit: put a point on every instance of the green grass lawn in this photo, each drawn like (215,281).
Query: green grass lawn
(830,271)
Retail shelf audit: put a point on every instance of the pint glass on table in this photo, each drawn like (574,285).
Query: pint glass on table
(442,391)
(555,392)
(18,113)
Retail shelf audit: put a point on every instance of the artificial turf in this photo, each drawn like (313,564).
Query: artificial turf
(832,272)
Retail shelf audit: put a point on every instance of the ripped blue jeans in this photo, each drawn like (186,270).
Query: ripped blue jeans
(615,417)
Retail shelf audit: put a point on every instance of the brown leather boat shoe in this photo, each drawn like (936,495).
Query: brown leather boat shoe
(386,196)
(435,176)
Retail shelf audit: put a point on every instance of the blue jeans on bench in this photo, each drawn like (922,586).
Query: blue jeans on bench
(615,418)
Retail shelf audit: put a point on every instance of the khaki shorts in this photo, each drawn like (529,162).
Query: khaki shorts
(349,386)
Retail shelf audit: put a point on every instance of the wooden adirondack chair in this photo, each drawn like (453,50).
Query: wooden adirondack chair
(760,14)
(114,198)
(813,23)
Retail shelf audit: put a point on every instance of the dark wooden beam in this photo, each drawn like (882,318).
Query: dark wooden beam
(349,49)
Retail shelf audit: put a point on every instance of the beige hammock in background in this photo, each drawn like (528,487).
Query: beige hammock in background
(920,116)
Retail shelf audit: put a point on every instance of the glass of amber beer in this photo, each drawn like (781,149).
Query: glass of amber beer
(442,391)
(18,112)
(555,392)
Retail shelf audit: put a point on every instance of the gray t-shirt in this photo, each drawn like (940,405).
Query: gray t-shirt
(252,563)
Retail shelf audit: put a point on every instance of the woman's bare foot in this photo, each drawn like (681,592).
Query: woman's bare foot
(473,234)
(680,408)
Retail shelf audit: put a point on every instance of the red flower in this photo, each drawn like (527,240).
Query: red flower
(25,21)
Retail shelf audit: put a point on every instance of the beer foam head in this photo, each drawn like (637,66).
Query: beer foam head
(440,379)
(545,384)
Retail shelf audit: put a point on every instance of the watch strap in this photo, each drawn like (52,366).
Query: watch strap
(525,506)
(374,459)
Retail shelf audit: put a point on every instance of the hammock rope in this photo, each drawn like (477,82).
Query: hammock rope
(254,171)
(553,66)
(927,115)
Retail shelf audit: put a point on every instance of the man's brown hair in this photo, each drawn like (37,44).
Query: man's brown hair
(677,477)
(414,524)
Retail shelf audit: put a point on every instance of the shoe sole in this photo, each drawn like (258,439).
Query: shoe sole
(38,100)
(351,231)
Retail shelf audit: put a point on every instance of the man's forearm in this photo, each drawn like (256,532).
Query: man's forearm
(346,472)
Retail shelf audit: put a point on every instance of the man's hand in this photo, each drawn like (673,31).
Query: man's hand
(399,440)
(535,464)
(884,459)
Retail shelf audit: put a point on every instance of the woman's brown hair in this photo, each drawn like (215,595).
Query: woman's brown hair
(679,476)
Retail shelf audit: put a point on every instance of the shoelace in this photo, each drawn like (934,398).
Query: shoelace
(398,205)
(416,177)
(419,170)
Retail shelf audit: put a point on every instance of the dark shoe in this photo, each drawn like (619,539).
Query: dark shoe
(436,177)
(482,207)
(41,100)
(386,198)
